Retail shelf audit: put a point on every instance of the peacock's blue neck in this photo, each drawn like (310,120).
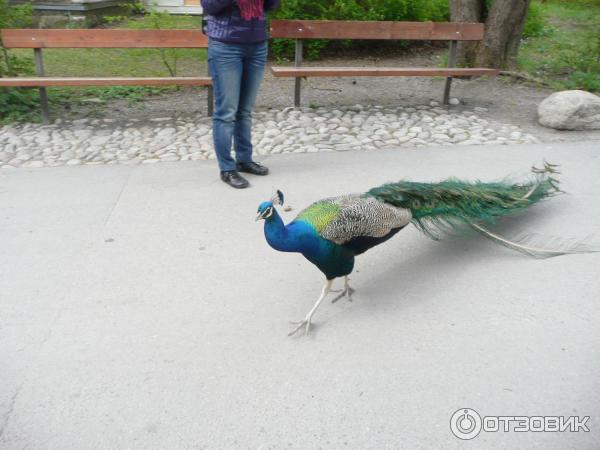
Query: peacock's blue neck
(299,236)
(278,236)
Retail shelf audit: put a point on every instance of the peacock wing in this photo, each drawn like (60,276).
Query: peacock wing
(342,219)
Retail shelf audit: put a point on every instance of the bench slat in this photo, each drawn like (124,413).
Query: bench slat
(342,29)
(378,72)
(108,81)
(58,38)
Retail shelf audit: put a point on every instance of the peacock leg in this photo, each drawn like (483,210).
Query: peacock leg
(347,291)
(307,319)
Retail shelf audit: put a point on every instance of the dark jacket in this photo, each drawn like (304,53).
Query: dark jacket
(224,22)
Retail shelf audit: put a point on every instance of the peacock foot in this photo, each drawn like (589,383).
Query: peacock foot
(306,322)
(346,292)
(299,325)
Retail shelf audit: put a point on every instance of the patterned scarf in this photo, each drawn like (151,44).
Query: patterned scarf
(251,9)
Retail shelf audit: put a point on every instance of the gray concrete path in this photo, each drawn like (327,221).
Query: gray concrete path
(140,307)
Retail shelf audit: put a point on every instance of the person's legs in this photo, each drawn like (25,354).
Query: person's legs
(225,62)
(254,62)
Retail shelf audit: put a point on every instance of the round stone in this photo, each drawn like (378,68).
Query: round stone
(570,110)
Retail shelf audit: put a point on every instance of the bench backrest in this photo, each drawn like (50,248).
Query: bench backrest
(59,38)
(342,29)
(294,29)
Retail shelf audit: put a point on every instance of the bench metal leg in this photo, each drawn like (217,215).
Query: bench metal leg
(298,63)
(39,66)
(44,105)
(297,88)
(451,63)
(447,90)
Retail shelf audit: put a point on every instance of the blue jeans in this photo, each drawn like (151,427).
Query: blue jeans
(236,71)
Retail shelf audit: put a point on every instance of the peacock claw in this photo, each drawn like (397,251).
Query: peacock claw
(302,323)
(306,322)
(345,293)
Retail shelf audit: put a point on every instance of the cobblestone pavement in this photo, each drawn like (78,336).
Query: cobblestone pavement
(107,141)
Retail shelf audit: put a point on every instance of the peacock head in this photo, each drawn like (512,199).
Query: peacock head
(266,210)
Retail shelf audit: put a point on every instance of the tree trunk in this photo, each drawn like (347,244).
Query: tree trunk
(503,31)
(466,11)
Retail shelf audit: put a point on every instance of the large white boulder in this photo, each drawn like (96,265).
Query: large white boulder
(570,110)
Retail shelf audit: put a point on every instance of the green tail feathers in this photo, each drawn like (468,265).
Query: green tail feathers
(451,204)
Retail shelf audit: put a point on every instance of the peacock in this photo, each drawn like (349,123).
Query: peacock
(331,232)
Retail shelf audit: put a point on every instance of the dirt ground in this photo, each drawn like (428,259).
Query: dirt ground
(506,100)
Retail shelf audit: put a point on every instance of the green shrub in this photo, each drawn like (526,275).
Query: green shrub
(566,55)
(15,102)
(131,93)
(535,24)
(586,64)
(14,17)
(398,10)
(585,81)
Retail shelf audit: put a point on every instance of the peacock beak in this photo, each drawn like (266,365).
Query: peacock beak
(259,217)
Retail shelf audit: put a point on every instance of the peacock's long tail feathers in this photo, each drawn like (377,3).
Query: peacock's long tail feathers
(538,246)
(454,205)
(451,204)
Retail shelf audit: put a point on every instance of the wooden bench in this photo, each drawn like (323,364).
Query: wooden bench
(58,38)
(301,30)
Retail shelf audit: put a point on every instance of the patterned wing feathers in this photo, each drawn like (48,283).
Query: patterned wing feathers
(341,219)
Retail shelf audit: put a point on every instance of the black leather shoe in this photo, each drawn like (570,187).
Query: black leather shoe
(252,167)
(234,179)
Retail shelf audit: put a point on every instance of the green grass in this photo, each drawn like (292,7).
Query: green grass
(101,62)
(166,21)
(87,62)
(105,62)
(565,53)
